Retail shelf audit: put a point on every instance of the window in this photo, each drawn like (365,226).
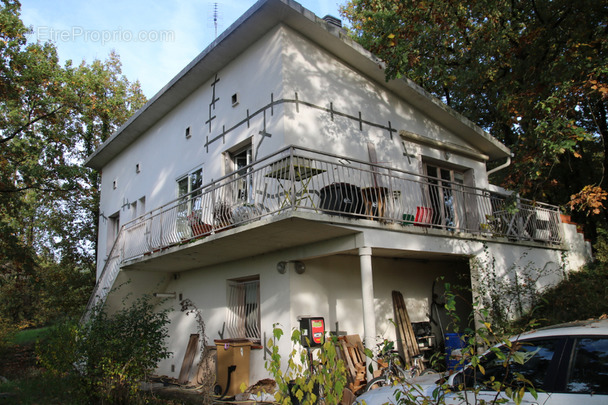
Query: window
(244,181)
(589,371)
(112,230)
(189,187)
(445,195)
(190,182)
(142,206)
(532,360)
(243,309)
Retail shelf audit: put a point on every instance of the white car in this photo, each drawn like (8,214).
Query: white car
(567,365)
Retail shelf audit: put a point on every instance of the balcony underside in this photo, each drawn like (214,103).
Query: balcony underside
(320,234)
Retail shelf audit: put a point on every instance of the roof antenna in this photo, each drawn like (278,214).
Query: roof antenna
(216,16)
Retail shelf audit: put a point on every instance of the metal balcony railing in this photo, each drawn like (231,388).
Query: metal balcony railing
(307,180)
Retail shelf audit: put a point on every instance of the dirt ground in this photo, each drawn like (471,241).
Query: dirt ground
(17,361)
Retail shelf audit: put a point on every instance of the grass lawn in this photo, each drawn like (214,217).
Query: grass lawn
(29,336)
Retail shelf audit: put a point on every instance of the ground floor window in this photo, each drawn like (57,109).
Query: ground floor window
(243,309)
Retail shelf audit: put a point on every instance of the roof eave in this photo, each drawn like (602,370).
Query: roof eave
(259,19)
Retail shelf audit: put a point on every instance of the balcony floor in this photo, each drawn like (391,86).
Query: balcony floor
(270,234)
(283,231)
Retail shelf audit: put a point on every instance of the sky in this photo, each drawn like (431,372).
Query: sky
(155,39)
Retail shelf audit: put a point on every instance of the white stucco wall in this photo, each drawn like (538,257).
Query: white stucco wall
(331,287)
(207,288)
(163,152)
(324,81)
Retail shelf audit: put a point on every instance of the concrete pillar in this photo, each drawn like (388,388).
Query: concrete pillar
(367,295)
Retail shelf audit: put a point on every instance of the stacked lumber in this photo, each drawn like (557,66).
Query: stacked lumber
(350,349)
(406,339)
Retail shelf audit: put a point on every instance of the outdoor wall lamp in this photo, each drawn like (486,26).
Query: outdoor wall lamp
(299,267)
(164,295)
(282,267)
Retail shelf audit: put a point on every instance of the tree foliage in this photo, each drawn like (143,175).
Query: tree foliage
(51,118)
(532,73)
(110,355)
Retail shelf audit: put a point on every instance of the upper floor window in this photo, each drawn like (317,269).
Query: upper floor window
(190,182)
(189,187)
(240,160)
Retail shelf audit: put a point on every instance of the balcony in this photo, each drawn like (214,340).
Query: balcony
(325,188)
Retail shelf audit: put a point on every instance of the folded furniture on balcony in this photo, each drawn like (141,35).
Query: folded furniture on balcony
(342,199)
(424,216)
(296,169)
(515,224)
(198,227)
(542,224)
(374,199)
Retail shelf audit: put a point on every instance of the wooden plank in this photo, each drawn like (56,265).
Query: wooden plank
(355,341)
(401,343)
(184,373)
(409,344)
(349,363)
(354,356)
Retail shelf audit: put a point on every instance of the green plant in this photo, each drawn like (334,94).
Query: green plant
(582,295)
(508,295)
(309,374)
(483,336)
(110,354)
(601,246)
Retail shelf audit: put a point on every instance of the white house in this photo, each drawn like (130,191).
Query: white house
(279,175)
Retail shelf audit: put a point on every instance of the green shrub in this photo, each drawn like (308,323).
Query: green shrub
(582,295)
(308,374)
(110,354)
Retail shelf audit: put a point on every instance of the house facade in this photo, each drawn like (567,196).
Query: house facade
(278,176)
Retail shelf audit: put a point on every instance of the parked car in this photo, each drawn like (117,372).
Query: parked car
(566,364)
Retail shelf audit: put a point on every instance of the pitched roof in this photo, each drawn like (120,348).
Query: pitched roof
(259,19)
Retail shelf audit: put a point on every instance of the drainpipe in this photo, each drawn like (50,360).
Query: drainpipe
(502,166)
(367,295)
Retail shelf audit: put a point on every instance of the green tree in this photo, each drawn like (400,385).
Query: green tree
(532,73)
(51,118)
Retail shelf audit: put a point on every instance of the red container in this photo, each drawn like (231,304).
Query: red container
(313,331)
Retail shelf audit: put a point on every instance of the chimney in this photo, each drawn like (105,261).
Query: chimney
(333,21)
